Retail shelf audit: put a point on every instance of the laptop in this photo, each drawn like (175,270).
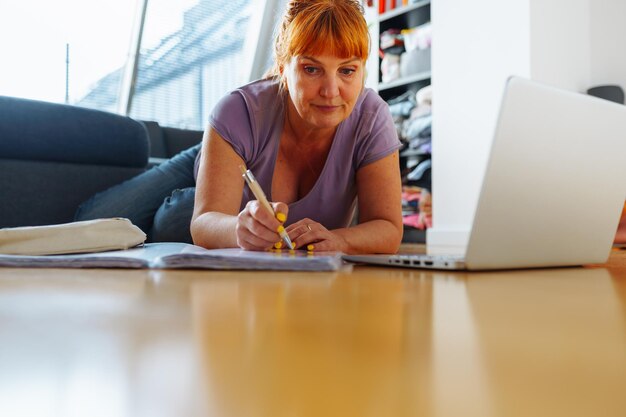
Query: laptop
(553,189)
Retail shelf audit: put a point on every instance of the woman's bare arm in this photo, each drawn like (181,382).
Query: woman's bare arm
(219,188)
(380,209)
(217,221)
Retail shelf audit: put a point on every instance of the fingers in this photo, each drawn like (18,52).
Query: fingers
(251,234)
(249,241)
(306,234)
(300,226)
(256,228)
(281,210)
(330,242)
(312,236)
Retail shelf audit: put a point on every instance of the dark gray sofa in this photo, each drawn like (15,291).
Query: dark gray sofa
(166,142)
(53,157)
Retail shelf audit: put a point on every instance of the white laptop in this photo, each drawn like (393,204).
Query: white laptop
(553,189)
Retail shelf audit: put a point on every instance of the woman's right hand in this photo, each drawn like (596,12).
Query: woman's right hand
(256,228)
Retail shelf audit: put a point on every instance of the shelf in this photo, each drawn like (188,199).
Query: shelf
(420,76)
(407,153)
(401,10)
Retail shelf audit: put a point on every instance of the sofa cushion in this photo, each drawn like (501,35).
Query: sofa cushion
(41,131)
(41,192)
(178,140)
(166,142)
(158,148)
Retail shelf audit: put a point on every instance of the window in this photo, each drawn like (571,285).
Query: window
(189,59)
(38,35)
(191,53)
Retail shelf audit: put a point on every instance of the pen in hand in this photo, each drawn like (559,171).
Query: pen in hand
(260,196)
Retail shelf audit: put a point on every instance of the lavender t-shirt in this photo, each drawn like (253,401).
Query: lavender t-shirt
(250,118)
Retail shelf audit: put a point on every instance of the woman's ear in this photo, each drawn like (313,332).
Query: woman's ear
(283,77)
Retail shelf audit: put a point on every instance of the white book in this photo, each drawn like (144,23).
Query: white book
(182,256)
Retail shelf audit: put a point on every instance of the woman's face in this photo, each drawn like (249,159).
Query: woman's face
(324,88)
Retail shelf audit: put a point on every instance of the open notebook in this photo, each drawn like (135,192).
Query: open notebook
(553,189)
(182,256)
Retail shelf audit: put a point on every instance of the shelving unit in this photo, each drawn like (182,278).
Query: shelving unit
(417,76)
(403,10)
(397,87)
(403,17)
(421,76)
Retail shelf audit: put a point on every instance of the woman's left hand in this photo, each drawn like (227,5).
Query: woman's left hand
(306,232)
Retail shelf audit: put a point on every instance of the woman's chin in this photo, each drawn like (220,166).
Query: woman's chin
(326,122)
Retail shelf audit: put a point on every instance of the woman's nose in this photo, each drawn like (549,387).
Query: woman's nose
(330,87)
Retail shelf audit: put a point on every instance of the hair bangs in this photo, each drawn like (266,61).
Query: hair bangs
(330,32)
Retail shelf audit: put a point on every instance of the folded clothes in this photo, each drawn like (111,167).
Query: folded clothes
(418,127)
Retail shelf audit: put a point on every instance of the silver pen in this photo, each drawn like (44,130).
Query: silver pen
(260,196)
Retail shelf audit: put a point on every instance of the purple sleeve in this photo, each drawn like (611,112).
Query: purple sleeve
(230,118)
(380,137)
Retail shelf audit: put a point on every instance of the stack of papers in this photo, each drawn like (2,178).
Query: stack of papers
(182,256)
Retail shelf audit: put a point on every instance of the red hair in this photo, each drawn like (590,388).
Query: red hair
(321,27)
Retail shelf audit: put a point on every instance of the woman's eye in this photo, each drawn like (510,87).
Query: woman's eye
(310,70)
(347,71)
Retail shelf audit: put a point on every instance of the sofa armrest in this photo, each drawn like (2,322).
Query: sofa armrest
(166,142)
(178,140)
(41,131)
(55,156)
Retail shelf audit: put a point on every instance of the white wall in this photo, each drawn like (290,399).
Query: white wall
(560,43)
(572,44)
(608,42)
(476,46)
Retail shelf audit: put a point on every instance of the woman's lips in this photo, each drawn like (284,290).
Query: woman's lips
(326,109)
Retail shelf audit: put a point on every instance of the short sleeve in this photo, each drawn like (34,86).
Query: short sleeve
(378,137)
(230,118)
